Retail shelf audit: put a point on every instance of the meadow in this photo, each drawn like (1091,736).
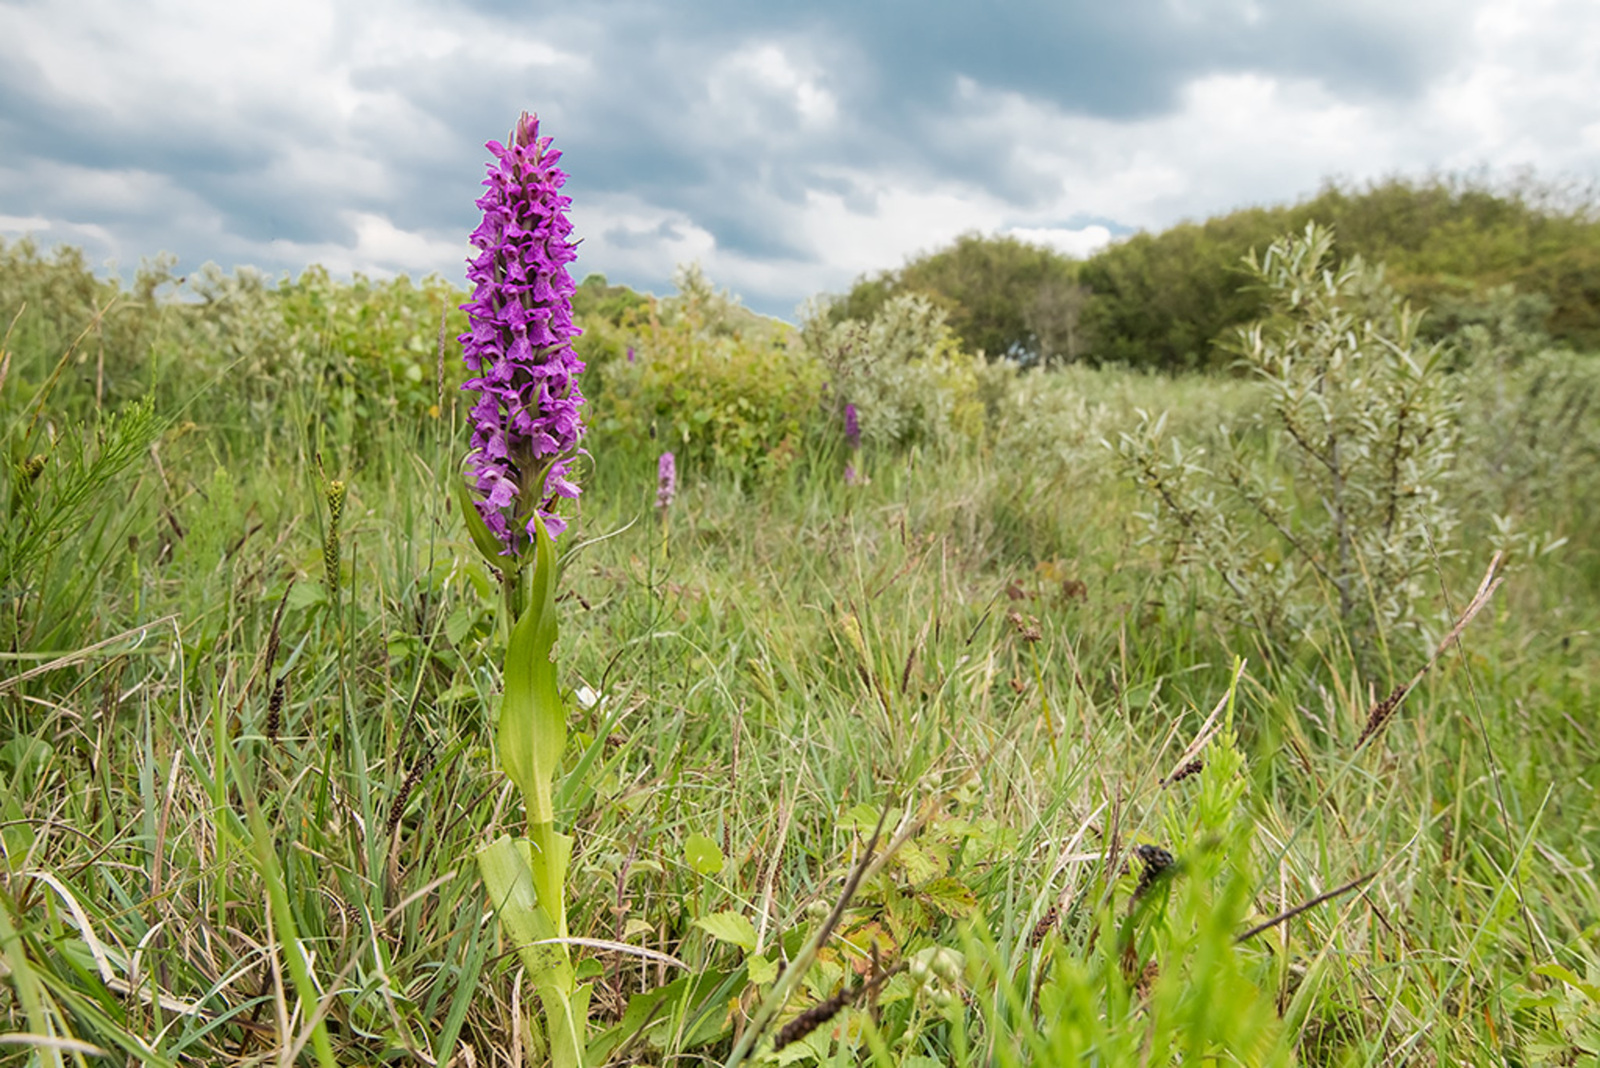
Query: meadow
(1033,701)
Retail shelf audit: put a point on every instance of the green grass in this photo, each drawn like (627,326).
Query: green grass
(186,881)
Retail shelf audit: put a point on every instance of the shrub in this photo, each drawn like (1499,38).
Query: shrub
(719,386)
(1332,506)
(1531,438)
(906,374)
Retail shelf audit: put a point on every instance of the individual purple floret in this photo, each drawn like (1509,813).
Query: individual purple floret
(666,481)
(852,427)
(525,424)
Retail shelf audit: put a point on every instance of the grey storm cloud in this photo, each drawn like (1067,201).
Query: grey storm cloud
(788,146)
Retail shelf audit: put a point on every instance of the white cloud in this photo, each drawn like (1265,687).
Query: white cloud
(764,92)
(1078,243)
(380,248)
(787,163)
(23,224)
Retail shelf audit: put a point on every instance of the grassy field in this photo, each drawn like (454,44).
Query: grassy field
(242,793)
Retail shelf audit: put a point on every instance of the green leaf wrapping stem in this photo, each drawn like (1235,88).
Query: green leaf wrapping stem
(533,723)
(518,880)
(526,877)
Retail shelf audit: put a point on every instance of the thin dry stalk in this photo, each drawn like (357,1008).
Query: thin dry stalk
(5,347)
(866,867)
(137,633)
(1385,709)
(1284,917)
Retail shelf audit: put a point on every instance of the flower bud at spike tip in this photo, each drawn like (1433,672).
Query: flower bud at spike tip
(525,422)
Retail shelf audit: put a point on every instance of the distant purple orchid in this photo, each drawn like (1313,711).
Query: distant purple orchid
(666,480)
(852,427)
(525,424)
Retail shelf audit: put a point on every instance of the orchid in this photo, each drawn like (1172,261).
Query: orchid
(526,428)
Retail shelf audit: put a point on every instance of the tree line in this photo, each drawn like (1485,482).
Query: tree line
(1165,300)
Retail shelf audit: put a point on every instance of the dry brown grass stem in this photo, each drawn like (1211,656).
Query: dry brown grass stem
(1207,729)
(1384,710)
(137,634)
(1289,914)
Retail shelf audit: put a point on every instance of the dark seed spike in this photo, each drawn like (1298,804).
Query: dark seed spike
(418,770)
(280,693)
(1046,924)
(1156,862)
(1381,713)
(1194,767)
(813,1018)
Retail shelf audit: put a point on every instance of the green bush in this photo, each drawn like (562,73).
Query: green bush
(1333,506)
(720,387)
(1005,298)
(906,374)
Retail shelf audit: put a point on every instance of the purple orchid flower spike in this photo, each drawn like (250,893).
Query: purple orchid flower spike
(526,428)
(666,480)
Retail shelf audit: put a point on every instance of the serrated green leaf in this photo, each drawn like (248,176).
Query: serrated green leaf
(760,969)
(1566,975)
(703,855)
(949,896)
(730,927)
(919,864)
(306,594)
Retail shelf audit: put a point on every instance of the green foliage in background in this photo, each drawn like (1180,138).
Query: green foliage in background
(367,350)
(906,373)
(1003,297)
(1169,300)
(722,388)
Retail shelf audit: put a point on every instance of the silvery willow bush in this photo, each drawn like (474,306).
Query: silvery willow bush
(905,373)
(1330,508)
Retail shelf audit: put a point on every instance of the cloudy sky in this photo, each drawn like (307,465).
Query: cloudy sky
(787,147)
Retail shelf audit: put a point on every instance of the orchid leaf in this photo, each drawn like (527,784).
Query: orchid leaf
(479,531)
(533,721)
(508,877)
(511,868)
